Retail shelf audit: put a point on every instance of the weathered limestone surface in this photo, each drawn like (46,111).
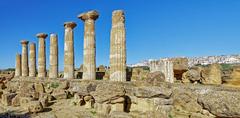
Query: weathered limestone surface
(69,50)
(89,50)
(42,55)
(212,74)
(32,60)
(25,68)
(53,70)
(139,74)
(118,47)
(18,71)
(165,66)
(232,76)
(130,99)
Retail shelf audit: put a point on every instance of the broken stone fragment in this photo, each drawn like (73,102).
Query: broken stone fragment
(103,92)
(24,101)
(102,108)
(35,107)
(89,104)
(16,101)
(46,95)
(44,101)
(212,75)
(221,103)
(87,98)
(39,87)
(149,92)
(7,98)
(60,94)
(119,100)
(191,75)
(78,100)
(117,107)
(2,86)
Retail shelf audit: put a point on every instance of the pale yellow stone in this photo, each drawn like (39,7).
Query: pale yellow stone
(118,47)
(53,70)
(89,51)
(18,71)
(69,50)
(42,55)
(25,68)
(32,60)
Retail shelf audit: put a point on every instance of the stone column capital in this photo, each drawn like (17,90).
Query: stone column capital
(70,25)
(32,44)
(41,35)
(90,15)
(53,35)
(118,16)
(24,42)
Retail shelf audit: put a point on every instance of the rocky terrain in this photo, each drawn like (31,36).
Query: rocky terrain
(26,97)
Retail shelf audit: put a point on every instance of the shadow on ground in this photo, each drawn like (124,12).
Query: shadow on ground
(11,114)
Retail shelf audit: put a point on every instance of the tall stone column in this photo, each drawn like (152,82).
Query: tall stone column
(41,55)
(69,50)
(24,58)
(118,47)
(32,60)
(53,70)
(89,51)
(18,69)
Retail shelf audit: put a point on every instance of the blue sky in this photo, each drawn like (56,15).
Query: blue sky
(155,28)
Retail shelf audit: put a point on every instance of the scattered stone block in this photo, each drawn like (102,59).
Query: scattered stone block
(60,94)
(7,98)
(39,87)
(24,101)
(16,101)
(35,107)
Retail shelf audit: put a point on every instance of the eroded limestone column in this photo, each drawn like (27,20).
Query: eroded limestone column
(69,50)
(89,51)
(24,58)
(118,47)
(41,55)
(53,69)
(18,69)
(32,60)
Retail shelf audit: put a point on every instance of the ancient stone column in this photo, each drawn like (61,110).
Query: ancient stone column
(118,47)
(69,50)
(41,55)
(53,70)
(18,69)
(32,60)
(24,58)
(89,51)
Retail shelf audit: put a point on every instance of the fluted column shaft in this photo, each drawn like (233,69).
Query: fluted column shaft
(69,50)
(89,59)
(32,60)
(18,69)
(53,70)
(41,55)
(25,58)
(118,47)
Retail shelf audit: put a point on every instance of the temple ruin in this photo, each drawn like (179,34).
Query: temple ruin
(161,89)
(117,51)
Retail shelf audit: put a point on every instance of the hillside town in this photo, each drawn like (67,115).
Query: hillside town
(202,60)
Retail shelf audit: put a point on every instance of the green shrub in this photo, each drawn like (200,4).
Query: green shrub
(226,66)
